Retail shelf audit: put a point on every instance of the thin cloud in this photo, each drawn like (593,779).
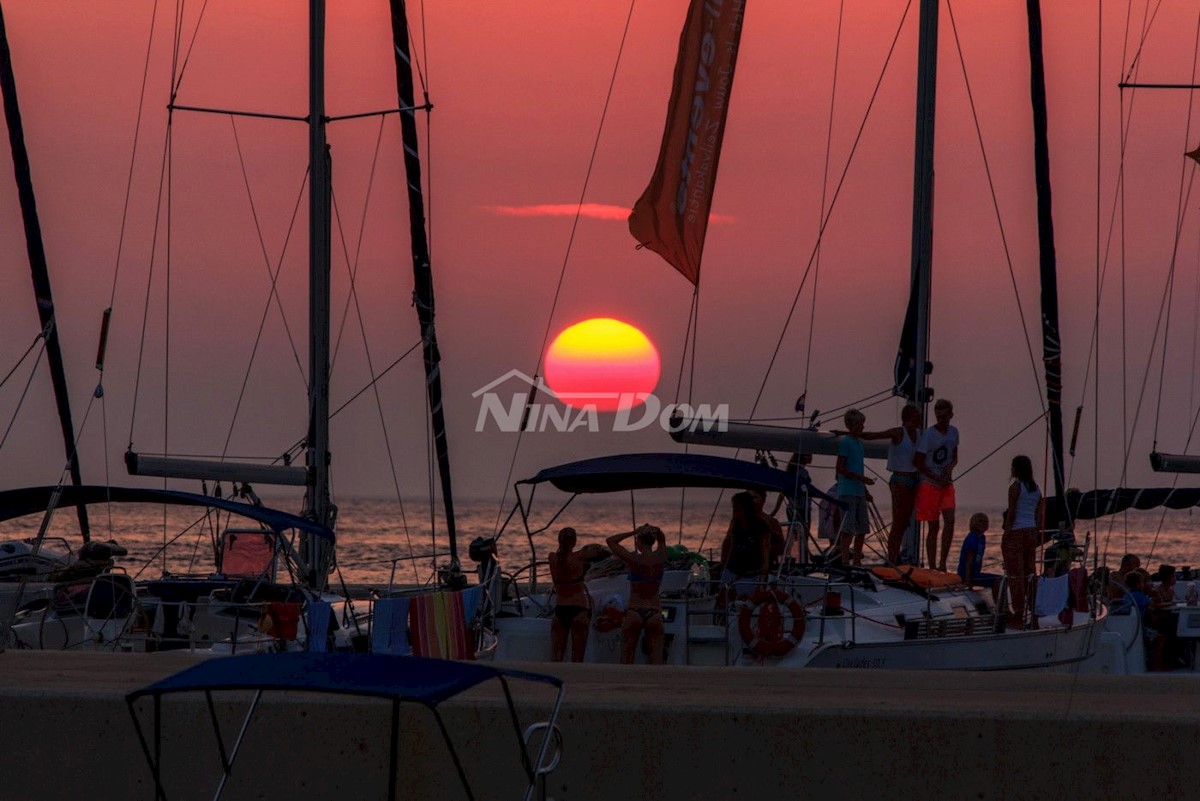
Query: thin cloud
(595,211)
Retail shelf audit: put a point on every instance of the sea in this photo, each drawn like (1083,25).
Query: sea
(381,541)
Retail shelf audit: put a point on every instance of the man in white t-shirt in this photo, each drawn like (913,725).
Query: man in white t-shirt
(937,454)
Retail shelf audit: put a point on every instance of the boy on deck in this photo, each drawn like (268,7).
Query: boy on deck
(937,454)
(970,559)
(852,489)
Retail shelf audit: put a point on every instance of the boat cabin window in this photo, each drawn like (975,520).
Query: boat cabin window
(248,553)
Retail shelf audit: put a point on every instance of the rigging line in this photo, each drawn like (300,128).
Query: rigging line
(1125,122)
(1124,125)
(861,405)
(137,127)
(1180,214)
(887,393)
(387,441)
(107,469)
(812,316)
(820,235)
(24,393)
(273,274)
(567,256)
(987,168)
(1195,332)
(422,63)
(586,181)
(41,337)
(362,227)
(687,339)
(170,156)
(162,549)
(187,56)
(1146,25)
(272,294)
(1149,361)
(1099,272)
(377,378)
(832,204)
(993,451)
(299,444)
(162,177)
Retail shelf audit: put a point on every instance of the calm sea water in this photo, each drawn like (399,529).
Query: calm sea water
(372,533)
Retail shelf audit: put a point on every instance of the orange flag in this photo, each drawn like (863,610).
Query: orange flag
(671,216)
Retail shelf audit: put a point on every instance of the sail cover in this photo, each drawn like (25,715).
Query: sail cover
(671,216)
(1098,503)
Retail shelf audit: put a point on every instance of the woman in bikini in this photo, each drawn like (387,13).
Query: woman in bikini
(573,605)
(643,613)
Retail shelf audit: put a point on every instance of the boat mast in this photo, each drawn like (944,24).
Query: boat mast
(318,504)
(38,267)
(1051,340)
(922,232)
(422,272)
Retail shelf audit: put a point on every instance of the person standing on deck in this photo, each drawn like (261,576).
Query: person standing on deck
(774,530)
(1020,541)
(746,549)
(902,449)
(643,614)
(852,489)
(799,509)
(573,606)
(936,457)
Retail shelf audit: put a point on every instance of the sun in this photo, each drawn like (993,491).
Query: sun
(602,362)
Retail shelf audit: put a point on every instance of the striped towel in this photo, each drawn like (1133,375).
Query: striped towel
(389,627)
(438,628)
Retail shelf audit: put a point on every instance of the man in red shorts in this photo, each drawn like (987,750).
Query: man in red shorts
(937,454)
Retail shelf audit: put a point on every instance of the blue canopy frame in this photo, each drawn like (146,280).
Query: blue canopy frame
(33,500)
(427,682)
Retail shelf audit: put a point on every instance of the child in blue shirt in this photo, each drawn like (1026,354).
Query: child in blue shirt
(970,559)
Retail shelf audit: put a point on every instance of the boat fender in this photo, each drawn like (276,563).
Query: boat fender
(769,636)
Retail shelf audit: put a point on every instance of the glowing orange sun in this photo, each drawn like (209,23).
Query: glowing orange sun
(602,362)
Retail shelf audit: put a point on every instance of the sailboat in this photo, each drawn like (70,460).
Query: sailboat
(820,615)
(252,563)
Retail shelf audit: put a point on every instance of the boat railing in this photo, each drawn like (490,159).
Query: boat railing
(825,608)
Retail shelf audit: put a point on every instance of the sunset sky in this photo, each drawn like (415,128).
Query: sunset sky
(519,90)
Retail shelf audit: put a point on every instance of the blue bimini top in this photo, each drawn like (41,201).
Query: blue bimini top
(401,678)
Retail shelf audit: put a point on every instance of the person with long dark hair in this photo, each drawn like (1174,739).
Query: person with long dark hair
(573,605)
(746,549)
(1020,541)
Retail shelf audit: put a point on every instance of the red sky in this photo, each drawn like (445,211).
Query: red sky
(519,90)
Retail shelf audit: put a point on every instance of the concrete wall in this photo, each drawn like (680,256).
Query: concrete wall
(630,733)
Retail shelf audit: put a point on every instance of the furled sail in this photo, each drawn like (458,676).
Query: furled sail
(422,273)
(1051,339)
(671,216)
(37,264)
(1099,503)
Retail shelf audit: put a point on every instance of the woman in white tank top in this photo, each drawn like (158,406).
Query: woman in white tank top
(903,483)
(1020,542)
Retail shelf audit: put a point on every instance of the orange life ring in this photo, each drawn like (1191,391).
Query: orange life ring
(769,637)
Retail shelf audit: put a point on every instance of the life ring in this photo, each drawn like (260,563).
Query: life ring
(768,636)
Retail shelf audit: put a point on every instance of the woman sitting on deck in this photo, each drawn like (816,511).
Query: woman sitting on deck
(573,605)
(643,613)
